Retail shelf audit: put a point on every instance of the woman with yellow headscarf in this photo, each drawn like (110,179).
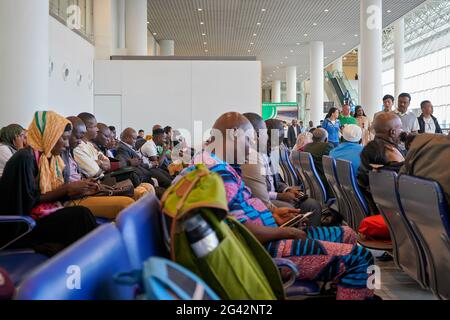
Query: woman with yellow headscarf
(33,184)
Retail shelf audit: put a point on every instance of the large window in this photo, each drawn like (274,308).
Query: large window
(427,78)
(61,9)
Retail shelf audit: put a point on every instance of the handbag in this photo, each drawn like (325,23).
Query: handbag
(120,189)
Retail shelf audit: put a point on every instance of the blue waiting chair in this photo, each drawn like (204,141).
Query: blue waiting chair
(288,169)
(83,271)
(358,206)
(295,156)
(426,209)
(329,168)
(141,227)
(407,250)
(18,262)
(319,190)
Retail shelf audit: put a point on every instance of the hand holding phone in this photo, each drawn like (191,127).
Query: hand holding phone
(297,220)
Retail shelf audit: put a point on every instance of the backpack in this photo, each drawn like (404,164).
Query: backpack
(239,268)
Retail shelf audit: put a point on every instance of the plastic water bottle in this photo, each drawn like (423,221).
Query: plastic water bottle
(201,236)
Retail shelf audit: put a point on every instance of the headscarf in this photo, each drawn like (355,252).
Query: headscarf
(9,134)
(302,140)
(43,134)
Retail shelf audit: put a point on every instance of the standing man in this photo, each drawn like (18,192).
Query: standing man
(427,122)
(409,120)
(345,118)
(293,133)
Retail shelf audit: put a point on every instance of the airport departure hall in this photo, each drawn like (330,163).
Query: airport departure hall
(278,153)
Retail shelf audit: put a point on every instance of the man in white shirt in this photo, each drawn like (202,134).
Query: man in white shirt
(92,162)
(408,118)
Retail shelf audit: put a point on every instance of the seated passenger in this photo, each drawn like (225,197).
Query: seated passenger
(322,254)
(12,139)
(93,163)
(428,158)
(33,184)
(126,152)
(318,148)
(105,207)
(350,149)
(267,185)
(302,141)
(382,152)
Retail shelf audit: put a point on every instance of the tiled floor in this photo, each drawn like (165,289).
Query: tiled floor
(397,285)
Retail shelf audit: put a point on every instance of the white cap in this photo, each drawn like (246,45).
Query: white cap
(352,133)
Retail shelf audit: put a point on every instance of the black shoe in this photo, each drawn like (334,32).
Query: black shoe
(385,257)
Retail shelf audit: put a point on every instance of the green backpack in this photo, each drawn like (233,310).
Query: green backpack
(239,268)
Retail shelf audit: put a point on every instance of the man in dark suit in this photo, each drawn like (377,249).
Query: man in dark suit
(126,152)
(293,133)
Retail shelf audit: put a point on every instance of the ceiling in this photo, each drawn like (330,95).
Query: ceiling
(278,35)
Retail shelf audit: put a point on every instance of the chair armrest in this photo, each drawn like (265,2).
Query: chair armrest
(28,221)
(290,265)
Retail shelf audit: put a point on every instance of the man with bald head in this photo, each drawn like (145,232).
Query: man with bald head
(382,151)
(322,254)
(126,152)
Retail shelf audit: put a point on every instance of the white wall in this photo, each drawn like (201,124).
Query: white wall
(177,93)
(67,96)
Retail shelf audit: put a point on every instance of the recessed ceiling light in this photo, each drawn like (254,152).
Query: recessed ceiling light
(305,35)
(278,67)
(389,11)
(251,43)
(263,10)
(249,51)
(285,57)
(200,9)
(148,22)
(154,33)
(202,23)
(356,35)
(344,44)
(203,34)
(314,24)
(298,43)
(326,10)
(292,51)
(205,43)
(258,23)
(206,50)
(334,51)
(281,62)
(254,34)
(345,58)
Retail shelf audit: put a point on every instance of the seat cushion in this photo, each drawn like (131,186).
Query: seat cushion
(19,263)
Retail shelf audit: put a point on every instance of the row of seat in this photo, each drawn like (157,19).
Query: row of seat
(86,270)
(414,209)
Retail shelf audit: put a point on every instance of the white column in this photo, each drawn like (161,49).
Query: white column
(399,55)
(266,95)
(359,74)
(167,47)
(89,11)
(338,65)
(136,27)
(121,29)
(24,62)
(103,29)
(316,55)
(291,84)
(276,91)
(151,44)
(371,56)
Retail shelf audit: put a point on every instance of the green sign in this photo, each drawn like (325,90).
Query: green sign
(269,110)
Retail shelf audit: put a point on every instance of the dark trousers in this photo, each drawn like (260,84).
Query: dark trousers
(59,230)
(163,177)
